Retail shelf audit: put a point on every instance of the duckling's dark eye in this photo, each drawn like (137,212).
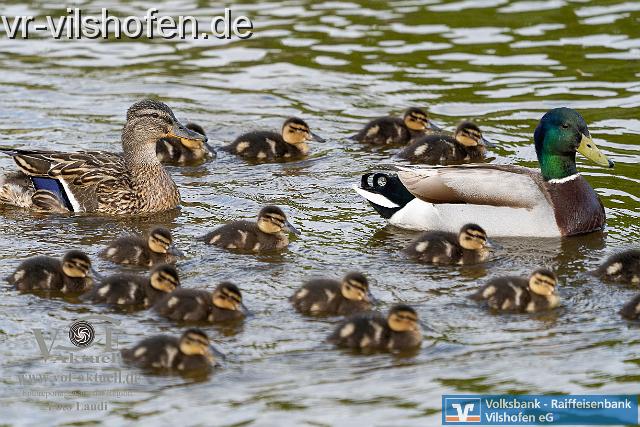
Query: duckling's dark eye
(155,115)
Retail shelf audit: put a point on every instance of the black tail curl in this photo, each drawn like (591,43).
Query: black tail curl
(389,186)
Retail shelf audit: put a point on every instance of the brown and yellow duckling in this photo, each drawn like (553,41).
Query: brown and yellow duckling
(190,352)
(621,268)
(395,130)
(42,273)
(333,297)
(291,143)
(469,246)
(518,294)
(399,331)
(136,250)
(133,290)
(194,305)
(264,235)
(179,151)
(465,145)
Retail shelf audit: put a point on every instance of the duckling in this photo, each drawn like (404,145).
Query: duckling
(133,290)
(191,352)
(136,250)
(331,297)
(466,145)
(394,130)
(269,146)
(631,310)
(400,331)
(193,305)
(43,273)
(470,246)
(622,268)
(264,235)
(184,151)
(537,293)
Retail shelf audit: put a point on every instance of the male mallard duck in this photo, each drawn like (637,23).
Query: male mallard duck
(194,305)
(469,246)
(136,250)
(264,235)
(95,181)
(394,130)
(511,200)
(332,297)
(631,310)
(465,145)
(400,331)
(191,352)
(622,268)
(134,290)
(43,273)
(266,145)
(182,151)
(537,293)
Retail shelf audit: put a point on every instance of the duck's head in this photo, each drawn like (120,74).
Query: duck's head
(149,121)
(296,131)
(272,220)
(543,282)
(76,264)
(469,134)
(160,241)
(560,134)
(403,318)
(472,237)
(417,119)
(194,342)
(355,287)
(227,296)
(164,278)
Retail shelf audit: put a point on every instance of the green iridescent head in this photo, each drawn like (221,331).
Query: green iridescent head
(560,134)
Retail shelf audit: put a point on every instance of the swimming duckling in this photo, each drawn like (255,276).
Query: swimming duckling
(136,250)
(537,293)
(631,310)
(439,247)
(191,352)
(266,145)
(371,331)
(264,235)
(43,273)
(193,305)
(332,297)
(134,290)
(622,268)
(466,145)
(184,151)
(394,130)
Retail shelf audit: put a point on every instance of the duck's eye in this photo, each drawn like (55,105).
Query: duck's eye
(155,115)
(565,125)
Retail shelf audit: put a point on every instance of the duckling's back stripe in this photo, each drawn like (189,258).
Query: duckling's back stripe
(55,187)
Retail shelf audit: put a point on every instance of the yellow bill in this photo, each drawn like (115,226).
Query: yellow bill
(589,149)
(187,137)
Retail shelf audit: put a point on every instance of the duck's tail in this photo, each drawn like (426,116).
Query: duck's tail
(384,192)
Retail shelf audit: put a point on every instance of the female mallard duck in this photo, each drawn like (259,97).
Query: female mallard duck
(191,352)
(136,250)
(631,310)
(43,273)
(537,293)
(95,181)
(511,200)
(194,305)
(394,130)
(465,145)
(267,146)
(264,235)
(133,290)
(180,151)
(469,246)
(622,268)
(400,331)
(332,297)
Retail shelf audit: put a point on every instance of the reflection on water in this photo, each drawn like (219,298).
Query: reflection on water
(337,65)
